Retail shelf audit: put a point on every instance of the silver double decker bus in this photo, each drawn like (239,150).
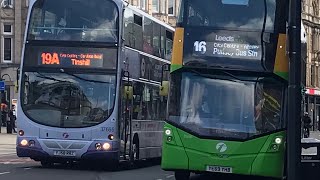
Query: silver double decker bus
(90,82)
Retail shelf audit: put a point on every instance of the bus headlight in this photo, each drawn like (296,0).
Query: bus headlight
(168,132)
(24,142)
(278,140)
(106,146)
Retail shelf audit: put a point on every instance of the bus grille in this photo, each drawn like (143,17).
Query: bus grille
(64,145)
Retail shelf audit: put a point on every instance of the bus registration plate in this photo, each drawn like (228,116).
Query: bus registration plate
(64,153)
(219,169)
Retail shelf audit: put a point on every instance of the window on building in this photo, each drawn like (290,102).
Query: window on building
(7,29)
(7,49)
(27,3)
(171,7)
(315,8)
(312,76)
(163,6)
(315,41)
(142,4)
(317,76)
(8,3)
(155,6)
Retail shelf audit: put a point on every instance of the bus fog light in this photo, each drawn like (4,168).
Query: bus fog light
(21,133)
(32,143)
(275,147)
(278,140)
(98,146)
(24,142)
(106,146)
(168,132)
(169,138)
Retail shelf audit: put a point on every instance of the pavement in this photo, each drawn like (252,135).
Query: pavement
(14,168)
(7,142)
(315,134)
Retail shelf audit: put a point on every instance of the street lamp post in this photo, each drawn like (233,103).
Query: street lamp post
(294,91)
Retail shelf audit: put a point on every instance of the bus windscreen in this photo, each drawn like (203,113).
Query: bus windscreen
(243,14)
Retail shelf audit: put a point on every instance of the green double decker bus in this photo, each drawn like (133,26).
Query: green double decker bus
(228,89)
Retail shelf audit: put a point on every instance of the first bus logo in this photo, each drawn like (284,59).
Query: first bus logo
(65,135)
(221,147)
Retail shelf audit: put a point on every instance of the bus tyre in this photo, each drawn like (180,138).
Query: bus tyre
(135,151)
(182,175)
(46,163)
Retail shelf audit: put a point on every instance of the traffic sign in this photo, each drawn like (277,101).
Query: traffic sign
(2,85)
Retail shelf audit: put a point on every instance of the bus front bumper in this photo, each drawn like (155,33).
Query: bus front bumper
(33,153)
(36,152)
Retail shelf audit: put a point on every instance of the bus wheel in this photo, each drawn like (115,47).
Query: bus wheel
(46,163)
(182,175)
(135,151)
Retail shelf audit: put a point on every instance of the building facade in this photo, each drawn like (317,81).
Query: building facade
(311,23)
(12,26)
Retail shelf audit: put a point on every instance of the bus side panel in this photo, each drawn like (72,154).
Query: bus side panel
(149,134)
(173,153)
(271,156)
(273,162)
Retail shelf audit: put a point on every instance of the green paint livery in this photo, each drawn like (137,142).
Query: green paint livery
(175,67)
(284,75)
(259,156)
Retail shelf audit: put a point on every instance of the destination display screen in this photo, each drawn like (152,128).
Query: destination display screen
(70,57)
(64,59)
(227,47)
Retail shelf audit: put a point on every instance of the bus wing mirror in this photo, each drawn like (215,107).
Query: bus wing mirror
(166,67)
(164,88)
(16,87)
(128,92)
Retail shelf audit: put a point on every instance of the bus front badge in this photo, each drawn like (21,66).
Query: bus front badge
(221,147)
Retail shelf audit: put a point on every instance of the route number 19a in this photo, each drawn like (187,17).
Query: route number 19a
(200,46)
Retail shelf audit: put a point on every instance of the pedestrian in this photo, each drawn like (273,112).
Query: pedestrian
(306,124)
(4,111)
(13,118)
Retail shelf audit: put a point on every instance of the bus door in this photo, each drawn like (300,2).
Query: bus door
(126,116)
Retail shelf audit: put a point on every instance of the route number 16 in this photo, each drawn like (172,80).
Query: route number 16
(200,46)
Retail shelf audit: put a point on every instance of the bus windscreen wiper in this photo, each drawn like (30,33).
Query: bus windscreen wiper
(48,77)
(83,79)
(262,33)
(211,76)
